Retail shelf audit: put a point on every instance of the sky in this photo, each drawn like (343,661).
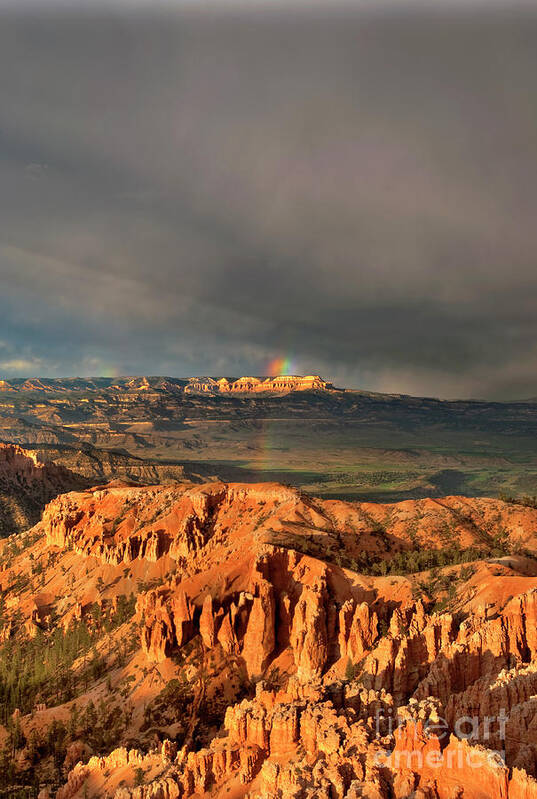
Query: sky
(203,188)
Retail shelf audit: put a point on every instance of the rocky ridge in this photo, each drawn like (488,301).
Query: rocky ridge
(212,385)
(255,385)
(27,483)
(32,477)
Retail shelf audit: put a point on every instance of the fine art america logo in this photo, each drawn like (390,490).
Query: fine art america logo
(422,743)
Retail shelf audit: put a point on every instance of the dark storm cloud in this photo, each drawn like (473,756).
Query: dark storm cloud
(197,192)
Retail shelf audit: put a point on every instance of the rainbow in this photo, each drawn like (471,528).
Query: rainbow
(267,436)
(110,371)
(279,366)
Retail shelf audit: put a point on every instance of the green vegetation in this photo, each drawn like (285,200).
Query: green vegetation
(445,586)
(352,670)
(40,669)
(170,706)
(100,726)
(526,501)
(52,668)
(36,670)
(412,561)
(139,776)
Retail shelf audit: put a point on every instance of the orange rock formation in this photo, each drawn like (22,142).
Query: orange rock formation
(248,385)
(331,681)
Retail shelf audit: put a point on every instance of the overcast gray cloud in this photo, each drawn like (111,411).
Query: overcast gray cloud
(198,192)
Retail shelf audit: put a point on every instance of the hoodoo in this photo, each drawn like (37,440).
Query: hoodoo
(240,640)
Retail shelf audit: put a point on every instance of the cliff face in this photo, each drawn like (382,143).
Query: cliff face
(278,383)
(26,485)
(261,659)
(255,385)
(94,466)
(122,523)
